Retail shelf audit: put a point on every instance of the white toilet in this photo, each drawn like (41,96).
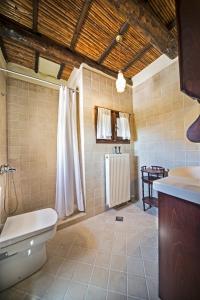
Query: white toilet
(22,244)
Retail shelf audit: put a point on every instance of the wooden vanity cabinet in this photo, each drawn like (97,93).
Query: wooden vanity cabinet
(179,248)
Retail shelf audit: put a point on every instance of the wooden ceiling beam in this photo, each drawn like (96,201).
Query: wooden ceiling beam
(144,21)
(124,28)
(137,57)
(81,21)
(46,46)
(171,25)
(37,55)
(35,4)
(62,66)
(3,50)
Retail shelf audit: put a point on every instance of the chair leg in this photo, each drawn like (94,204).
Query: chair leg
(144,205)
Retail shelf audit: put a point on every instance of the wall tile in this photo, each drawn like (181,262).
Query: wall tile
(32,125)
(101,93)
(162,115)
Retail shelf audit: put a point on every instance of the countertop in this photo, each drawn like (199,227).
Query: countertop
(187,188)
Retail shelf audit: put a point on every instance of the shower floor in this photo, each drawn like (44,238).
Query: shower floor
(98,259)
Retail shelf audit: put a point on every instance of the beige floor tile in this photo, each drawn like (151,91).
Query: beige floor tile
(67,269)
(116,296)
(103,259)
(86,242)
(119,263)
(151,268)
(82,254)
(118,282)
(12,294)
(37,284)
(137,287)
(99,277)
(152,285)
(76,291)
(149,241)
(133,245)
(83,272)
(135,266)
(53,263)
(74,251)
(96,293)
(133,250)
(104,245)
(52,249)
(119,247)
(57,290)
(149,253)
(31,297)
(63,250)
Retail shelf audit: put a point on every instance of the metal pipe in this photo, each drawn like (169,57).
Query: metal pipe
(37,79)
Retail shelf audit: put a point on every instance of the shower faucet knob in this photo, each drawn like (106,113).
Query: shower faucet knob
(6,169)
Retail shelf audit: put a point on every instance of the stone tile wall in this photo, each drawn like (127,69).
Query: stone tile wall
(162,115)
(99,90)
(3,141)
(32,132)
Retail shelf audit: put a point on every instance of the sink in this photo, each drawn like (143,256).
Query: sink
(183,183)
(189,172)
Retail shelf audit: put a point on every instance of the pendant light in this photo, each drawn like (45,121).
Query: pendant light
(120,82)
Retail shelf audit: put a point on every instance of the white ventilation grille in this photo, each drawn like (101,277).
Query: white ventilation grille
(117,169)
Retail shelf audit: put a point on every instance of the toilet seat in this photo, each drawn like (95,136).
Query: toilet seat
(24,226)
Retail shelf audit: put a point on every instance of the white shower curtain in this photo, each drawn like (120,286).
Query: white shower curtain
(69,191)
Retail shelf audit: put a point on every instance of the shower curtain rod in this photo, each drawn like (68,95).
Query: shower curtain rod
(37,79)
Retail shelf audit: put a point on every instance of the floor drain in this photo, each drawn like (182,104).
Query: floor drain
(119,219)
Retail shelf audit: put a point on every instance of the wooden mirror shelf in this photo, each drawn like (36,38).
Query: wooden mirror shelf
(114,138)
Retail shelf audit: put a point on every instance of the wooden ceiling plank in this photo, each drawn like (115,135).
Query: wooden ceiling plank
(62,66)
(36,67)
(35,14)
(80,23)
(124,28)
(46,46)
(143,20)
(137,57)
(3,50)
(171,25)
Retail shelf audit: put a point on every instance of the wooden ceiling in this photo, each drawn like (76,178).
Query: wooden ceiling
(86,29)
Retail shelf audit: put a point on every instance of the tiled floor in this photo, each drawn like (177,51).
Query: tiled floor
(98,259)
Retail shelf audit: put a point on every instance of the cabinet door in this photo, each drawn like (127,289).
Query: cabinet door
(188,25)
(179,249)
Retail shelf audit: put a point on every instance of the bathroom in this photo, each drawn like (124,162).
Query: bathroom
(90,255)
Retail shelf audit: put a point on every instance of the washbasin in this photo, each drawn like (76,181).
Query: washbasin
(189,172)
(182,183)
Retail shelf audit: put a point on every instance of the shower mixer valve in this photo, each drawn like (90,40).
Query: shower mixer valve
(6,169)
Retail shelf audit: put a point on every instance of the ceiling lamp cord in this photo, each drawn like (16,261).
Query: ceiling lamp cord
(120,82)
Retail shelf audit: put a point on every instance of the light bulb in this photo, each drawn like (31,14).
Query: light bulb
(120,82)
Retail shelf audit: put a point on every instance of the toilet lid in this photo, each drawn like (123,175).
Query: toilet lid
(23,226)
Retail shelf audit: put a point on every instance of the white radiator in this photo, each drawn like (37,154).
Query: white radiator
(117,169)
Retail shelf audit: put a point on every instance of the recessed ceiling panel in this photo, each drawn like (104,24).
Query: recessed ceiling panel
(48,67)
